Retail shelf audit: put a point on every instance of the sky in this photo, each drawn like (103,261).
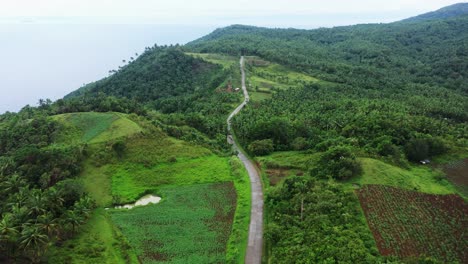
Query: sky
(49,48)
(216,12)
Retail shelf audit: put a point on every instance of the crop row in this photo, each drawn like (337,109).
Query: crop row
(410,224)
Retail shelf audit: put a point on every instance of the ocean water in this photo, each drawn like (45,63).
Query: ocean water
(50,60)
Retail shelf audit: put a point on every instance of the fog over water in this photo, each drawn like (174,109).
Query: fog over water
(51,60)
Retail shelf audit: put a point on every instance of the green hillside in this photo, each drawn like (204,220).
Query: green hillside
(336,117)
(148,163)
(159,72)
(376,56)
(91,127)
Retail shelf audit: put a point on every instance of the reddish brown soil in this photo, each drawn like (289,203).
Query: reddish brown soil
(221,223)
(410,224)
(457,173)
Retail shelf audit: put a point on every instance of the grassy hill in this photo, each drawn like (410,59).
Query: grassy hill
(92,127)
(151,162)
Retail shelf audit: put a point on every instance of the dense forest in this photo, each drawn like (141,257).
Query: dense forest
(41,202)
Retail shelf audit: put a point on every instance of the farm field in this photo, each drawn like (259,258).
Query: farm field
(191,224)
(264,77)
(457,173)
(411,224)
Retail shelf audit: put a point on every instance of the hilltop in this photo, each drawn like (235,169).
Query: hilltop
(460,9)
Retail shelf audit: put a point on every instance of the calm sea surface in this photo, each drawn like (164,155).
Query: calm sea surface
(51,60)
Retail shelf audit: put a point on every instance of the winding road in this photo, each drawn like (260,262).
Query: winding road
(255,243)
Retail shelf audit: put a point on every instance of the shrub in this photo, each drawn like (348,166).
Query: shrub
(300,143)
(119,148)
(261,147)
(338,163)
(417,149)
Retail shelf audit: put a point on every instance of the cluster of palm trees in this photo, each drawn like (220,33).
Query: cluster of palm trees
(32,219)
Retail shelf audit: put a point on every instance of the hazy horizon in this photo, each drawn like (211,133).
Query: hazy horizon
(48,55)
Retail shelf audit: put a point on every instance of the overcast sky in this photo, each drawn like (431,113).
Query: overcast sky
(216,12)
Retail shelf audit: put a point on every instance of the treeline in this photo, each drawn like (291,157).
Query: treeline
(369,56)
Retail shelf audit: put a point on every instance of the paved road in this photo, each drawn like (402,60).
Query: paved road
(255,244)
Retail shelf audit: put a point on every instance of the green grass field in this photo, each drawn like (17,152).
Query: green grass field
(130,180)
(92,127)
(263,77)
(223,60)
(289,159)
(191,224)
(417,178)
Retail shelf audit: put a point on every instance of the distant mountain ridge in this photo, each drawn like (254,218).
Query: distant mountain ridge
(459,9)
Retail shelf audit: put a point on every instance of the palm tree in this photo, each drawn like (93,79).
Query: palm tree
(37,203)
(48,223)
(13,184)
(84,206)
(73,219)
(8,234)
(34,241)
(55,200)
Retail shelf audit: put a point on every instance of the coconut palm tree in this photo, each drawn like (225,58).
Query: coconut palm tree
(37,203)
(8,234)
(84,206)
(34,241)
(55,200)
(72,218)
(13,184)
(48,223)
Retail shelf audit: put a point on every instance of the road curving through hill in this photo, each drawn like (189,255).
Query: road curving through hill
(255,242)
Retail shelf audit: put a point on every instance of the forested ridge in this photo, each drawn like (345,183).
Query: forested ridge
(374,56)
(396,93)
(388,85)
(159,72)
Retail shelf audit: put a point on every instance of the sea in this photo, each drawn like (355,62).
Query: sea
(40,61)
